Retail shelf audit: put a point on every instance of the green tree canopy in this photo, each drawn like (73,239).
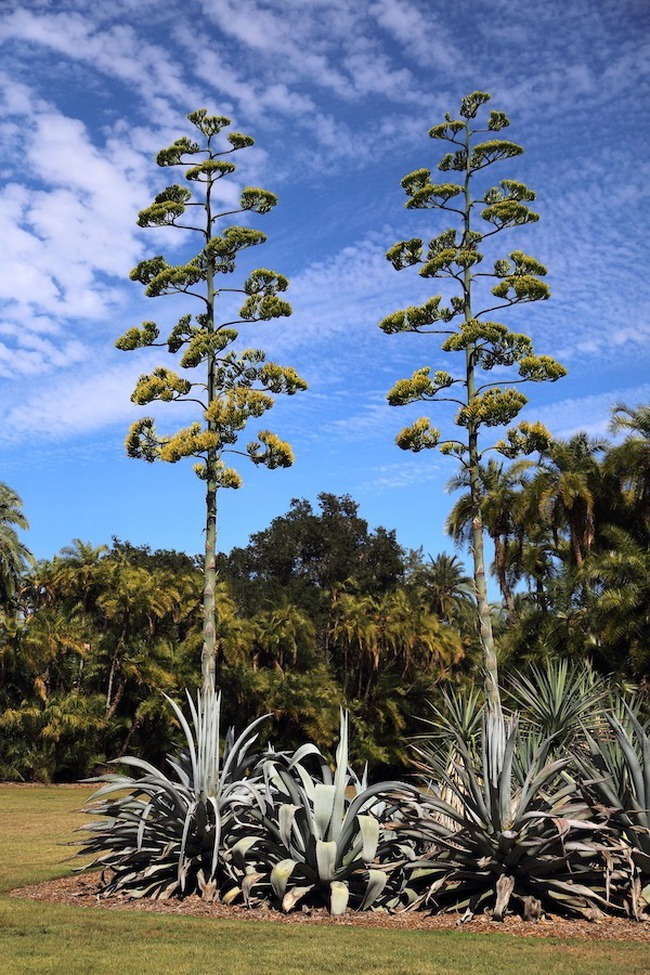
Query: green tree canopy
(306,553)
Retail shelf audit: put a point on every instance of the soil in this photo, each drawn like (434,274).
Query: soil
(81,891)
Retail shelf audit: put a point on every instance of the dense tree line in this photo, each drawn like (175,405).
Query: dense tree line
(316,612)
(572,555)
(319,611)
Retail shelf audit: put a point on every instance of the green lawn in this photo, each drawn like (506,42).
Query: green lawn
(50,939)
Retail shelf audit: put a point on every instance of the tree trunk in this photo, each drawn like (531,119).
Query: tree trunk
(209,669)
(500,562)
(135,724)
(209,663)
(485,623)
(505,886)
(111,678)
(119,693)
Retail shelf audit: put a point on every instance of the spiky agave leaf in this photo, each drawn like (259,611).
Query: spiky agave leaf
(559,698)
(329,838)
(615,779)
(163,835)
(457,714)
(525,841)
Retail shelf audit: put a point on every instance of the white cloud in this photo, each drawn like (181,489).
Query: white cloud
(408,472)
(332,85)
(289,42)
(70,406)
(346,294)
(85,399)
(590,413)
(331,46)
(28,354)
(116,50)
(420,32)
(69,222)
(372,420)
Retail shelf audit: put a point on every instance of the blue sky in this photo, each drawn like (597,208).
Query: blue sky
(339,96)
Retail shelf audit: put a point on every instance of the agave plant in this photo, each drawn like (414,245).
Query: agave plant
(164,835)
(327,837)
(615,778)
(559,698)
(515,837)
(458,714)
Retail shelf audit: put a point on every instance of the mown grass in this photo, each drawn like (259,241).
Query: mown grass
(56,939)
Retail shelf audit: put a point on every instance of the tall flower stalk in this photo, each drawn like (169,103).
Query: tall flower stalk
(454,257)
(227,387)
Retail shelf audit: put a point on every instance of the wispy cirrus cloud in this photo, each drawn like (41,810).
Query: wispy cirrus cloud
(421,32)
(590,412)
(68,406)
(116,49)
(351,85)
(340,97)
(407,472)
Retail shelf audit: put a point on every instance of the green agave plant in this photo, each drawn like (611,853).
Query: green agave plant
(164,835)
(457,715)
(517,833)
(615,778)
(326,837)
(559,698)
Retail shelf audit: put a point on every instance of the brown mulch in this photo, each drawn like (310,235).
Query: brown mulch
(81,891)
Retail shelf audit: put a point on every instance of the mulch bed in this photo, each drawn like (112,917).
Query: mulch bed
(81,891)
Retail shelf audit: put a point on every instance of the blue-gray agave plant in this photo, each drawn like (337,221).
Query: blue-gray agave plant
(513,832)
(164,835)
(326,837)
(615,778)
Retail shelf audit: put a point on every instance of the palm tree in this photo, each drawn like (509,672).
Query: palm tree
(15,557)
(284,636)
(531,557)
(414,638)
(620,612)
(78,575)
(133,604)
(354,628)
(443,585)
(499,496)
(629,461)
(53,649)
(564,492)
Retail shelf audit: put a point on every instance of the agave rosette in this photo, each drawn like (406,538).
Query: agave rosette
(514,832)
(326,837)
(615,779)
(164,835)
